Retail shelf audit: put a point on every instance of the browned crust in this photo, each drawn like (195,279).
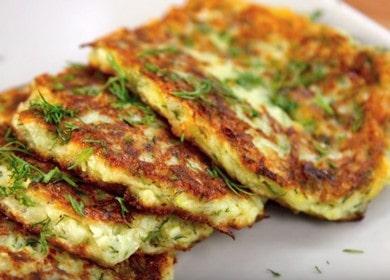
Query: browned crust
(121,145)
(138,267)
(145,267)
(126,153)
(9,101)
(367,70)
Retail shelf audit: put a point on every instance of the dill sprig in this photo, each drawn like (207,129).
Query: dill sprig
(274,273)
(78,206)
(122,205)
(249,80)
(201,87)
(233,186)
(154,236)
(46,232)
(55,114)
(158,51)
(117,85)
(358,118)
(82,158)
(22,172)
(296,74)
(353,251)
(55,175)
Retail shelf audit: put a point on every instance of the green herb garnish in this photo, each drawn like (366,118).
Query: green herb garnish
(21,172)
(282,100)
(316,15)
(54,114)
(249,80)
(56,175)
(353,251)
(321,149)
(57,85)
(324,104)
(82,158)
(117,85)
(87,90)
(358,118)
(201,88)
(154,236)
(77,206)
(46,232)
(65,131)
(158,51)
(309,125)
(233,186)
(144,120)
(274,273)
(122,205)
(318,269)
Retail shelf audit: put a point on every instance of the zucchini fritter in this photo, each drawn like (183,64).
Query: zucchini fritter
(90,124)
(79,217)
(291,108)
(21,258)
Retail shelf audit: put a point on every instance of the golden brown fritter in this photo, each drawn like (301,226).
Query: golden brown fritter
(77,216)
(108,137)
(21,258)
(291,108)
(9,101)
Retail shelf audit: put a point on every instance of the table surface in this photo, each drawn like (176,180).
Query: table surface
(376,9)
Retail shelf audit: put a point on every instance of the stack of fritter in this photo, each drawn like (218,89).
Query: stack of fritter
(262,104)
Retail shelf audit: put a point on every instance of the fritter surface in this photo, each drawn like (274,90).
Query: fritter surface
(21,258)
(291,108)
(109,137)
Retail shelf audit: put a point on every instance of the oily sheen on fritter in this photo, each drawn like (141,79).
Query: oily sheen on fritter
(290,108)
(92,125)
(21,257)
(76,216)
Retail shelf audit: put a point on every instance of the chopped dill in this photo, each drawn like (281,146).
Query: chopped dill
(154,236)
(318,270)
(46,232)
(353,251)
(358,118)
(233,186)
(324,104)
(57,85)
(82,157)
(274,273)
(65,131)
(56,175)
(144,120)
(158,51)
(55,114)
(77,206)
(316,15)
(52,113)
(122,205)
(321,149)
(249,80)
(201,88)
(283,101)
(93,90)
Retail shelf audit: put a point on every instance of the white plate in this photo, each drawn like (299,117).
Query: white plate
(38,36)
